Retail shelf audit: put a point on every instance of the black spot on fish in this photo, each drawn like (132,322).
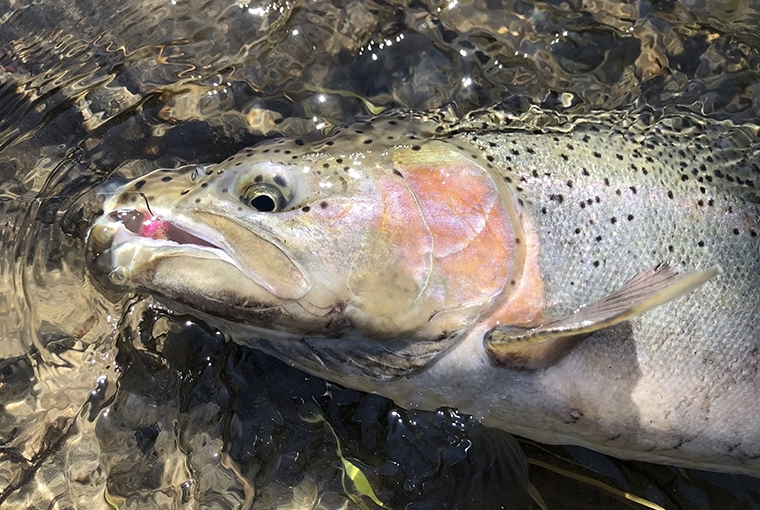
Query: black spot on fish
(368,141)
(619,156)
(339,160)
(258,178)
(700,203)
(395,171)
(166,178)
(585,172)
(597,155)
(606,181)
(530,150)
(684,177)
(752,233)
(489,158)
(633,189)
(543,210)
(329,142)
(564,157)
(517,240)
(326,165)
(598,238)
(577,230)
(204,185)
(596,263)
(323,205)
(613,220)
(569,183)
(139,184)
(736,231)
(701,244)
(306,208)
(630,217)
(670,194)
(670,248)
(197,200)
(280,181)
(298,141)
(585,139)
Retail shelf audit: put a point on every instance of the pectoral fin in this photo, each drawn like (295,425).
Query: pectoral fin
(541,346)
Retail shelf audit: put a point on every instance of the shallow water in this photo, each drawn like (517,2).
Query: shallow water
(112,401)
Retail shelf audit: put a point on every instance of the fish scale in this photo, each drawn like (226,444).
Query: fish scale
(606,207)
(628,207)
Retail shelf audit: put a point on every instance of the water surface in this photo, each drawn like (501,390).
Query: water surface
(113,401)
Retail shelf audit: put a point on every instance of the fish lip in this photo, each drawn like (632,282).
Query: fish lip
(120,237)
(138,226)
(117,236)
(147,226)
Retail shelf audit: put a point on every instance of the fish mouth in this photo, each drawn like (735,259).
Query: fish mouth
(145,224)
(123,241)
(130,246)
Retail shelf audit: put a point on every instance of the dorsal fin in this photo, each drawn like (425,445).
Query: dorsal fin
(541,346)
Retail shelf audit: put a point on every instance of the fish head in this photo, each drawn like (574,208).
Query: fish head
(370,232)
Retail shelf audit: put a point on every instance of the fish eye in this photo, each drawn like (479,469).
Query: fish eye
(264,197)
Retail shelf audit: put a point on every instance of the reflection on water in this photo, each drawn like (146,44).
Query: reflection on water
(121,404)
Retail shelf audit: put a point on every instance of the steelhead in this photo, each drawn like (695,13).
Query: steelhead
(590,280)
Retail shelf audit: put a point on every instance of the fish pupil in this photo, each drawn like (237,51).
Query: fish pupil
(263,203)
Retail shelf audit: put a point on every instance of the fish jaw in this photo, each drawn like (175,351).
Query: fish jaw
(184,262)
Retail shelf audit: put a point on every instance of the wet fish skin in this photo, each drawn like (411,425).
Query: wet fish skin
(681,380)
(592,206)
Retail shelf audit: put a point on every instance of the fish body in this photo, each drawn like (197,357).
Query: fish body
(516,274)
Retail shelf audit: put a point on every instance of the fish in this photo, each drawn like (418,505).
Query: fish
(590,280)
